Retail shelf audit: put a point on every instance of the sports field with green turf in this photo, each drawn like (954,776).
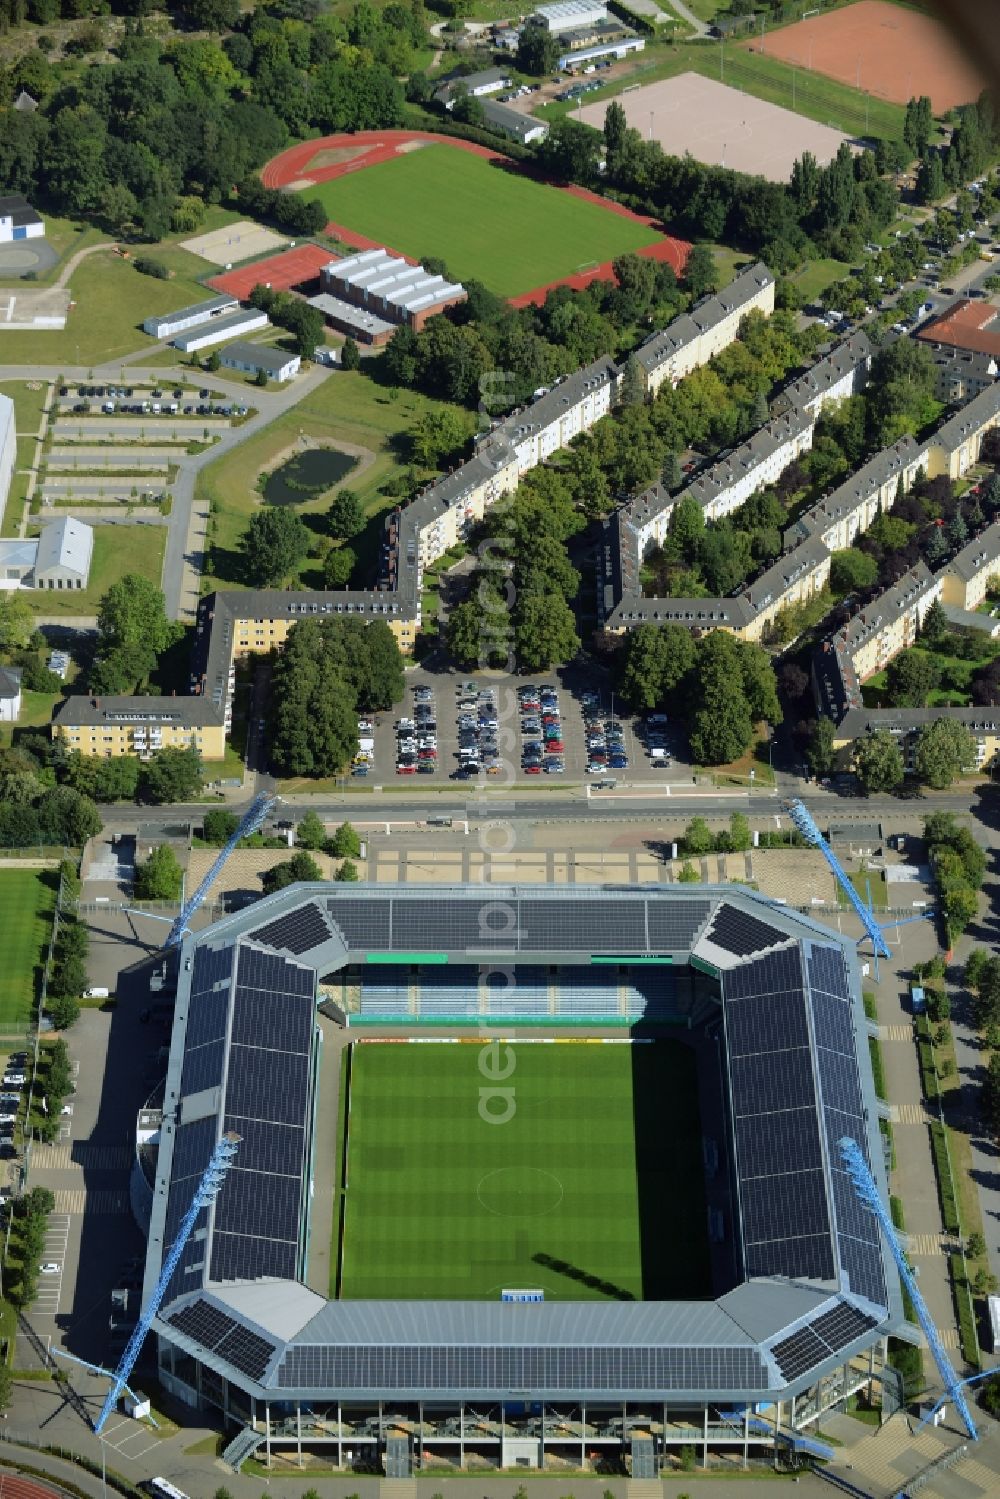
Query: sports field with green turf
(27,900)
(583,1177)
(484,221)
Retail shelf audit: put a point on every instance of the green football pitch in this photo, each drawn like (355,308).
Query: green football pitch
(27,899)
(591,1188)
(484,221)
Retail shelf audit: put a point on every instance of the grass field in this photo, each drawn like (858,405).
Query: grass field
(443,1202)
(117,550)
(112,299)
(482,220)
(27,899)
(348,408)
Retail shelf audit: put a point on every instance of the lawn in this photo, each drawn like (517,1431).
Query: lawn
(27,899)
(483,220)
(28,404)
(117,550)
(444,1201)
(956,677)
(111,299)
(348,407)
(816,275)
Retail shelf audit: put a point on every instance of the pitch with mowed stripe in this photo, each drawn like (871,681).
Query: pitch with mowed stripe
(27,899)
(573,1167)
(485,222)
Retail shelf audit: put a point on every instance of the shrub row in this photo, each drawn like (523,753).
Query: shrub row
(925,1057)
(878,1069)
(964,1311)
(946,1184)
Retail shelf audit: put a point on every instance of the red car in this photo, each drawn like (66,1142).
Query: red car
(554,746)
(427,754)
(406,770)
(532,770)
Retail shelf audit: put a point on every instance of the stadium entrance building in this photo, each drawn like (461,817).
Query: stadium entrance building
(550,1366)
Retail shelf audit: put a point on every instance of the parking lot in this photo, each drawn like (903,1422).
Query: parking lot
(461,709)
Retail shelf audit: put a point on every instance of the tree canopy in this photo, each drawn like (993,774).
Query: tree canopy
(273,545)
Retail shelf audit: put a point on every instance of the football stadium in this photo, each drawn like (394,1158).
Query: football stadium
(526,1178)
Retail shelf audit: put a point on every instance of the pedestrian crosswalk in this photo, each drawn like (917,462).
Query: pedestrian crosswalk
(79,1200)
(895,1033)
(64,1156)
(928,1244)
(909,1113)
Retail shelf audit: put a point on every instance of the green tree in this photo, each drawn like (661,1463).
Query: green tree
(632,391)
(687,526)
(934,628)
(345,843)
(878,762)
(544,631)
(218,826)
(338,567)
(350,355)
(537,49)
(945,750)
(687,874)
(439,437)
(851,571)
(17,622)
(910,677)
(132,632)
(819,751)
(698,838)
(173,775)
(740,836)
(300,867)
(759,683)
(346,516)
(160,877)
(273,545)
(348,872)
(64,1011)
(700,273)
(975,967)
(311,832)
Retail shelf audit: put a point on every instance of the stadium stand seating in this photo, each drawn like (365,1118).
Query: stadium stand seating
(385,993)
(527,995)
(588,994)
(651,994)
(449,992)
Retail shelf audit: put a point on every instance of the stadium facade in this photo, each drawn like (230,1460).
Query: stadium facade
(805,1292)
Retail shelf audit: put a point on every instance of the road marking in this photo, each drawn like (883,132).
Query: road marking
(895,1032)
(88,1157)
(909,1113)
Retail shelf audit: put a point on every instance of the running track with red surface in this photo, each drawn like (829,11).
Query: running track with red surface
(280,272)
(292,166)
(14,1487)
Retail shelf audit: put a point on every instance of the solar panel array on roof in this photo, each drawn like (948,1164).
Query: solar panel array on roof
(738,932)
(209,1002)
(257,1212)
(498,1369)
(858,1240)
(629,924)
(241,1347)
(779,1159)
(842,1325)
(802,1351)
(296,932)
(366,924)
(193,1146)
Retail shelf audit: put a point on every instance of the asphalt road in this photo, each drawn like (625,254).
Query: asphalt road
(569,806)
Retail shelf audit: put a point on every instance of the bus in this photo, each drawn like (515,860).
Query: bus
(164,1490)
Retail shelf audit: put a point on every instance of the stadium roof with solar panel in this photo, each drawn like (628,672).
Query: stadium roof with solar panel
(764,1001)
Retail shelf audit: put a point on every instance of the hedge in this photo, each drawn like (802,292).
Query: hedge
(925,1057)
(964,1310)
(945,1181)
(878,1071)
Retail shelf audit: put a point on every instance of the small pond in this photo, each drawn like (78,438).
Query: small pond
(307,475)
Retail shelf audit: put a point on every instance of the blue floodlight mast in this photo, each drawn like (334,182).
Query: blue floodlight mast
(208,1187)
(250,822)
(864,1185)
(805,823)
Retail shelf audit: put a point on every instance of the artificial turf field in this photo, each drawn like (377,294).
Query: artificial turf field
(27,900)
(441,1203)
(486,222)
